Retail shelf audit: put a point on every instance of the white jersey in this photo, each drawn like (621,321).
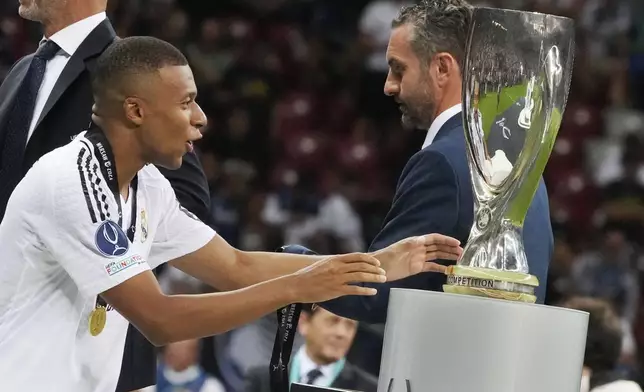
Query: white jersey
(61,245)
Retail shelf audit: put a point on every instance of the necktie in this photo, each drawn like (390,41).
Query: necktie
(17,126)
(312,376)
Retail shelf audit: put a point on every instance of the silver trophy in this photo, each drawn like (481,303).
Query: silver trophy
(517,73)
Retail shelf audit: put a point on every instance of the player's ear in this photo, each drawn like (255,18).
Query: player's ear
(134,110)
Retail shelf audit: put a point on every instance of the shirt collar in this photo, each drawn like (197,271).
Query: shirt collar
(181,377)
(439,121)
(72,36)
(307,364)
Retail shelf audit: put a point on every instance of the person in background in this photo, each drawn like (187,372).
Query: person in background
(46,99)
(321,360)
(179,370)
(603,348)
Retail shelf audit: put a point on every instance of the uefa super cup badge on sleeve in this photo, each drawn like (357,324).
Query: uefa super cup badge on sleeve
(516,78)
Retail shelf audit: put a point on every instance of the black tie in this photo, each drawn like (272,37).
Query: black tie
(312,376)
(17,125)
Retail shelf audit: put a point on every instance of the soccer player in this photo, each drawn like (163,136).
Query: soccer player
(90,220)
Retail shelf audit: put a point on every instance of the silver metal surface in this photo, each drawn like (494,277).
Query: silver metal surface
(439,342)
(517,74)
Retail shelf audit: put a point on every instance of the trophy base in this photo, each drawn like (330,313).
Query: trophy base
(491,293)
(491,283)
(443,342)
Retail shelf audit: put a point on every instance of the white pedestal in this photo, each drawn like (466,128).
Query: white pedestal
(439,342)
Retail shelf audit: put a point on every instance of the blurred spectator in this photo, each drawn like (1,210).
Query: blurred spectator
(338,218)
(603,348)
(624,197)
(321,360)
(374,29)
(609,273)
(179,370)
(605,24)
(246,348)
(212,55)
(560,281)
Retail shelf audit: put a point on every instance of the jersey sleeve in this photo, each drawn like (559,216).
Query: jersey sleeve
(179,233)
(82,234)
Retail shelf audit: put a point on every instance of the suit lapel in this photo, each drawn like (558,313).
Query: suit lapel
(12,85)
(345,379)
(92,46)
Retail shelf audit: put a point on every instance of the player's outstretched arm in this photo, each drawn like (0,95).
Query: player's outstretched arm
(195,250)
(168,318)
(226,268)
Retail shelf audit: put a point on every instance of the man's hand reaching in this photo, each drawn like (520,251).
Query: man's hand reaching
(335,276)
(414,255)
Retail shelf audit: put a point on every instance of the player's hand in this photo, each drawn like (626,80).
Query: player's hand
(414,255)
(333,276)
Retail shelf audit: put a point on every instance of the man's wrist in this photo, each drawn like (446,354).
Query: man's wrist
(379,254)
(289,288)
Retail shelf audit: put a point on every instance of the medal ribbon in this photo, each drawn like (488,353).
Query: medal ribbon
(105,155)
(287,320)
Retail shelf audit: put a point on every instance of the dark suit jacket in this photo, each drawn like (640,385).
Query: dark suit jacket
(67,113)
(434,195)
(351,378)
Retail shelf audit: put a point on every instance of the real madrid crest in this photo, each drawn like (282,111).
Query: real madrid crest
(144,226)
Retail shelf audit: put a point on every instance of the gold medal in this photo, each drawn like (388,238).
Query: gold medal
(97,320)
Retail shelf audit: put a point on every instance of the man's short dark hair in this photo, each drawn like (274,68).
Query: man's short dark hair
(437,26)
(604,339)
(310,309)
(130,57)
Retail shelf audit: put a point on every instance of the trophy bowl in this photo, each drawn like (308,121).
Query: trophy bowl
(516,77)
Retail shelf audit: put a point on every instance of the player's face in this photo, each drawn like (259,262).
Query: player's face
(39,10)
(173,118)
(409,82)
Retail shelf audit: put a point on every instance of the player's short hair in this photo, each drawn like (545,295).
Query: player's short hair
(604,338)
(130,57)
(437,26)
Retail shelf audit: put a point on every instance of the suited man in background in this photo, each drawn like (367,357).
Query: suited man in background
(434,192)
(321,359)
(46,99)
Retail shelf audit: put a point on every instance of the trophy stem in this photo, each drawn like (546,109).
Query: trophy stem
(494,265)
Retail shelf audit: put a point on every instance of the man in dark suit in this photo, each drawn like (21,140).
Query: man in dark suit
(46,99)
(434,192)
(321,359)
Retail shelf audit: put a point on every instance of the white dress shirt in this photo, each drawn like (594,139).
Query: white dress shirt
(439,121)
(68,39)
